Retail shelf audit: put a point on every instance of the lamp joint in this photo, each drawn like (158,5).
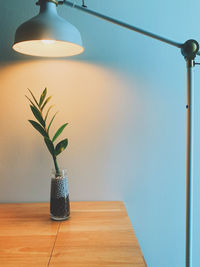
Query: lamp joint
(190,49)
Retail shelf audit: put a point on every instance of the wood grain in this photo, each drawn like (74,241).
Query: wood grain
(97,234)
(26,235)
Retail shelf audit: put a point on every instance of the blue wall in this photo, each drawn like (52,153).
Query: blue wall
(148,161)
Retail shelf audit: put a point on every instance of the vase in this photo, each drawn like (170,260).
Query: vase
(59,201)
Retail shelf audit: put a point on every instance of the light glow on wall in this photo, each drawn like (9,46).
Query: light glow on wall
(99,106)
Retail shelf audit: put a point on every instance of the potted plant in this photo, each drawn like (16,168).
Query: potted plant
(59,202)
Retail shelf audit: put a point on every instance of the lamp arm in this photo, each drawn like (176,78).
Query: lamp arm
(122,24)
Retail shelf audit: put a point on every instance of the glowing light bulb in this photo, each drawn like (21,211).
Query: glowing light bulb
(48,41)
(48,48)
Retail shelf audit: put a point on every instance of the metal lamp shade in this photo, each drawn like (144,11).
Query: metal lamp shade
(48,35)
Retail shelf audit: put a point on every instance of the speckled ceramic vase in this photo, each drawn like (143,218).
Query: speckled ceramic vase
(59,202)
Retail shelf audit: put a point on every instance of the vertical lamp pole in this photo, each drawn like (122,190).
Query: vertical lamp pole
(189,50)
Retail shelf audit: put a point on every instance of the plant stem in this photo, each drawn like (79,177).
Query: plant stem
(56,166)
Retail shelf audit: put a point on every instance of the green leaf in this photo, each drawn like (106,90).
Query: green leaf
(49,145)
(51,122)
(37,115)
(33,97)
(46,101)
(48,112)
(59,131)
(30,101)
(61,146)
(38,127)
(42,97)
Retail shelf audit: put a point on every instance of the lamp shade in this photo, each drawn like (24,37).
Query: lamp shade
(48,35)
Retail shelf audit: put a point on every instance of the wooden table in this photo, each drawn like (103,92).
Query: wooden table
(97,234)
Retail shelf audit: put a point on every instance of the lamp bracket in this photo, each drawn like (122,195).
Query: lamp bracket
(56,2)
(64,1)
(83,4)
(190,49)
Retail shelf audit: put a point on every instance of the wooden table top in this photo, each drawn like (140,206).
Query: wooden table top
(97,234)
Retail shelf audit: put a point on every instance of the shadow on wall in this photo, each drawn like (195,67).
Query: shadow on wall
(100,106)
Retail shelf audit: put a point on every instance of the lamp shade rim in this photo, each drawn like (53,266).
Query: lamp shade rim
(48,48)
